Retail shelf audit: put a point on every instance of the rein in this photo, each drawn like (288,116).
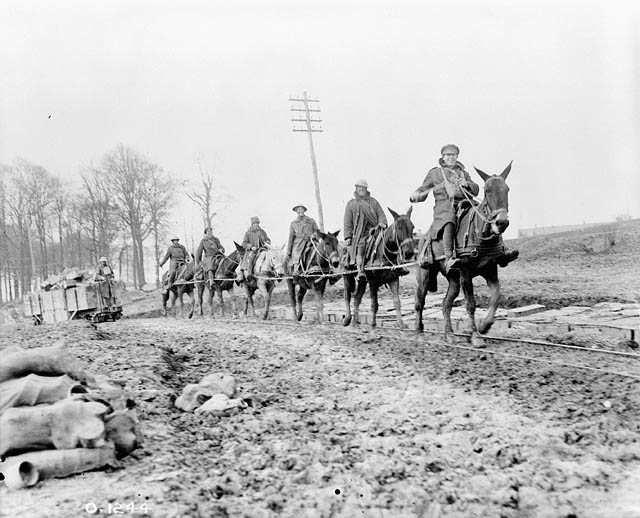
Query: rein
(398,244)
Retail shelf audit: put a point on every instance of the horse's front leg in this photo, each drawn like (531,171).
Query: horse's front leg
(361,286)
(318,293)
(422,279)
(220,300)
(301,293)
(266,288)
(452,292)
(493,283)
(373,293)
(394,286)
(469,297)
(349,287)
(292,297)
(250,293)
(192,299)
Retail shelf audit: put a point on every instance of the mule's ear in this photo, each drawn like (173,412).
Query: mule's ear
(482,174)
(408,214)
(335,234)
(506,171)
(238,247)
(393,213)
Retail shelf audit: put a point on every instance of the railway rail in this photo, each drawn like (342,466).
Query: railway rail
(494,345)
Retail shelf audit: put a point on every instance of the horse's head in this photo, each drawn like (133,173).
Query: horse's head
(239,249)
(274,261)
(328,247)
(399,236)
(496,198)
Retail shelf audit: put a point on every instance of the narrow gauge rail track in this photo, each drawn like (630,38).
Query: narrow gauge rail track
(494,346)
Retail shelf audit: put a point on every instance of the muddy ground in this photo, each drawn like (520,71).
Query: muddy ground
(359,424)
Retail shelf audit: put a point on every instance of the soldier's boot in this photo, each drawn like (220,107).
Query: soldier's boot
(451,262)
(360,265)
(507,257)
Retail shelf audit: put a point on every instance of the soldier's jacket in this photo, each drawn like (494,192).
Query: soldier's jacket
(360,215)
(299,232)
(442,180)
(255,237)
(177,253)
(210,247)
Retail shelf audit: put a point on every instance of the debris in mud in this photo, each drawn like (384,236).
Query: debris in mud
(56,419)
(213,395)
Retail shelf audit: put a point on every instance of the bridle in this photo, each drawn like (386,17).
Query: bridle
(480,211)
(399,245)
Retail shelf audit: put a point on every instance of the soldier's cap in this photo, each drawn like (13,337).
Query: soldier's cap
(175,239)
(103,259)
(255,219)
(362,183)
(299,206)
(450,148)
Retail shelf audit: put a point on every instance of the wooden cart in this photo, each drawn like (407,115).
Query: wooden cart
(76,301)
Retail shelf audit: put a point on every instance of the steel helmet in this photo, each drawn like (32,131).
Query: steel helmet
(450,148)
(103,259)
(362,183)
(300,205)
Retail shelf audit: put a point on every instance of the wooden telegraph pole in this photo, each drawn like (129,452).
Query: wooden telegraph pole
(309,128)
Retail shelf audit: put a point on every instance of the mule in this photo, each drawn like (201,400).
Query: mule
(222,280)
(268,271)
(183,284)
(319,262)
(479,245)
(394,247)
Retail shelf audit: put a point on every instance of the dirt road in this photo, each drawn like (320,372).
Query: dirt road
(348,425)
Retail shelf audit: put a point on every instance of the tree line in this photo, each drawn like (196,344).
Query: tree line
(45,226)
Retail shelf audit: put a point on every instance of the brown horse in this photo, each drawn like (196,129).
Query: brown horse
(395,247)
(221,280)
(479,245)
(268,270)
(321,258)
(182,285)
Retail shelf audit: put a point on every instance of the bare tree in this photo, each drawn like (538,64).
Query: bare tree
(160,197)
(60,204)
(129,178)
(203,195)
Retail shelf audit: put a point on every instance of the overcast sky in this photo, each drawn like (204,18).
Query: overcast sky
(553,86)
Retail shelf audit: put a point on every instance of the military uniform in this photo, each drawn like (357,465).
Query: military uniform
(104,274)
(209,252)
(361,214)
(254,239)
(447,193)
(177,254)
(300,232)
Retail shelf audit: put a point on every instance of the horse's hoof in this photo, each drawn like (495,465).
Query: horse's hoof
(299,317)
(191,315)
(450,339)
(265,316)
(346,321)
(401,325)
(477,341)
(484,326)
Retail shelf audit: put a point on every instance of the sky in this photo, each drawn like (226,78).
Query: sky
(552,85)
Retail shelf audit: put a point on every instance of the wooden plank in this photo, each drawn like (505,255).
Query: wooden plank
(72,302)
(525,310)
(87,296)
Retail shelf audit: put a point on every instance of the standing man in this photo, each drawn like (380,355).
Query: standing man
(178,255)
(254,240)
(209,251)
(362,215)
(300,232)
(104,275)
(449,183)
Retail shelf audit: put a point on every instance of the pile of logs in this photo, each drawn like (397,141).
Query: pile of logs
(56,419)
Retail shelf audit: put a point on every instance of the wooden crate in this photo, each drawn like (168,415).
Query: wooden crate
(46,300)
(87,296)
(72,301)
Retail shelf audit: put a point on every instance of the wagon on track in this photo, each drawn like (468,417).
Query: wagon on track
(96,301)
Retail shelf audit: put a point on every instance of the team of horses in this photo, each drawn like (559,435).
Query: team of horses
(479,245)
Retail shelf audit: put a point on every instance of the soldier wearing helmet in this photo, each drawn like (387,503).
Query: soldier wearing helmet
(254,240)
(362,216)
(449,183)
(300,232)
(104,275)
(177,253)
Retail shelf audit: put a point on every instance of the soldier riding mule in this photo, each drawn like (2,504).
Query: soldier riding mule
(318,260)
(183,284)
(479,248)
(387,249)
(222,280)
(267,272)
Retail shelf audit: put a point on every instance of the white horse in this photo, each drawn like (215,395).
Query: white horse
(268,271)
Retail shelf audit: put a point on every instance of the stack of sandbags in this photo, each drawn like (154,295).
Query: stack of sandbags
(56,419)
(213,395)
